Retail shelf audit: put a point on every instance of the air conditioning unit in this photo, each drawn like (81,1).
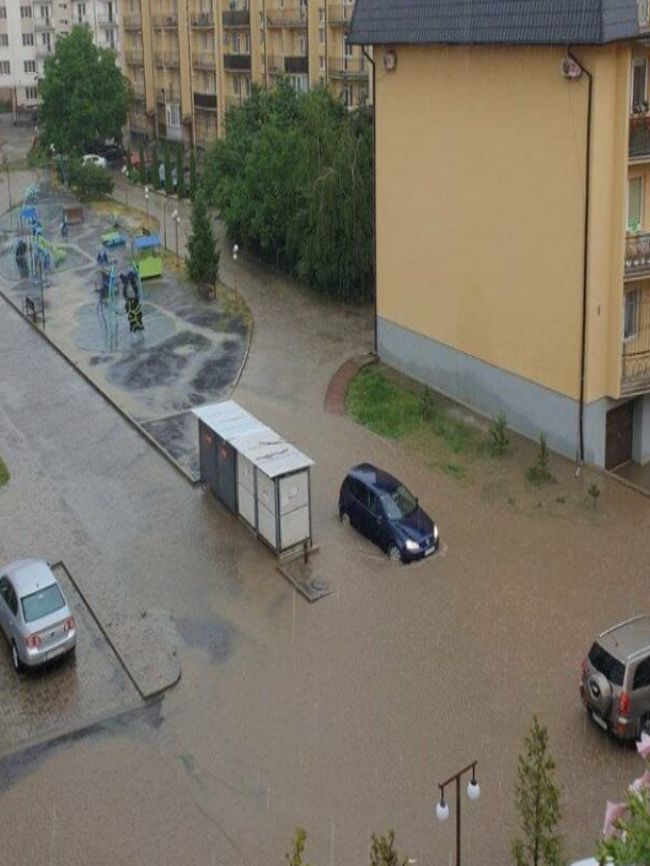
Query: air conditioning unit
(570,68)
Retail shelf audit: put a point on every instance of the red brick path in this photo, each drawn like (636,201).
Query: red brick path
(338,386)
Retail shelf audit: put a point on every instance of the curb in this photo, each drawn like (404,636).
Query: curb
(334,402)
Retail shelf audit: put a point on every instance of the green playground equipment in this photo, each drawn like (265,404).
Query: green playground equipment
(58,253)
(146,252)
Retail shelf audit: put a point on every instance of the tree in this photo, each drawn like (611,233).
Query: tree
(180,174)
(537,798)
(193,177)
(84,96)
(90,181)
(167,165)
(383,853)
(203,257)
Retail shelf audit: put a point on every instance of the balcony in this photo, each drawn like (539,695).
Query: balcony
(339,14)
(202,21)
(237,62)
(297,65)
(234,100)
(639,144)
(132,22)
(43,24)
(205,135)
(163,96)
(138,90)
(236,18)
(134,56)
(635,353)
(350,68)
(165,20)
(138,123)
(204,60)
(280,17)
(166,58)
(637,255)
(43,50)
(107,22)
(205,101)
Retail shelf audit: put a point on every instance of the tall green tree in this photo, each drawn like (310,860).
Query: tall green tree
(537,798)
(180,174)
(167,164)
(193,175)
(84,96)
(202,255)
(383,851)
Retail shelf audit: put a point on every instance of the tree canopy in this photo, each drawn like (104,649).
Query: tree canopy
(84,95)
(292,180)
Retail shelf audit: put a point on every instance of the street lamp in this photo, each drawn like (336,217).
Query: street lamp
(125,172)
(176,220)
(146,198)
(6,162)
(235,250)
(473,792)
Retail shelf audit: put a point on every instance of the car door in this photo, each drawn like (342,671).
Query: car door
(375,519)
(4,604)
(641,689)
(9,608)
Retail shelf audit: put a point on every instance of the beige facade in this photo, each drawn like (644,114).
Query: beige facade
(190,61)
(481,203)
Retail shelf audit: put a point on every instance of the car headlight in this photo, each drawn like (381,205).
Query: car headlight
(435,533)
(412,545)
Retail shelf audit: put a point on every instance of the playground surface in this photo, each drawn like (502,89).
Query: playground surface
(190,350)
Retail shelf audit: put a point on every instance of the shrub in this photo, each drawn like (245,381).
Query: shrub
(498,441)
(427,404)
(540,473)
(90,181)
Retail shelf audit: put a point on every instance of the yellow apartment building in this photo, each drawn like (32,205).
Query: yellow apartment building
(513,211)
(190,60)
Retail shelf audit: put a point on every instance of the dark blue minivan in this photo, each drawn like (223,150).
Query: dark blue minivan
(382,509)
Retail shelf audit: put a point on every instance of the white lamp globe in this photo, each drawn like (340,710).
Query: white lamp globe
(473,790)
(442,810)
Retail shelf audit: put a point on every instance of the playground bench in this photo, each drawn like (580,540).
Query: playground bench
(34,309)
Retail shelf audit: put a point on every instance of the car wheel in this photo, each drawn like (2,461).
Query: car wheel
(18,665)
(394,553)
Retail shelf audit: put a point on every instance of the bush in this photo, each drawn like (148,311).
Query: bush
(90,181)
(203,257)
(540,473)
(498,441)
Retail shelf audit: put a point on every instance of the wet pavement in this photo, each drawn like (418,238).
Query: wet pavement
(339,716)
(190,352)
(67,696)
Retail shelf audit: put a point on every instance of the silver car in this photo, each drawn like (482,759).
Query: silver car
(34,615)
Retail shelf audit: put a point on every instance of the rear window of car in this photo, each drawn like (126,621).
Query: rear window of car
(607,665)
(42,603)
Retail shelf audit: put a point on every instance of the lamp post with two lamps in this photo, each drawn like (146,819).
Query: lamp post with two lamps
(473,792)
(176,220)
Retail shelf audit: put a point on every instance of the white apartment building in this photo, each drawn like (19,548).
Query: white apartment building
(28,33)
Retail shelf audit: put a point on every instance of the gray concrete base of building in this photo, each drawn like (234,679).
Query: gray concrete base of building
(530,408)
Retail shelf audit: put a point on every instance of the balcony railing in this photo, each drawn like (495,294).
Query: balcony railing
(296,65)
(637,254)
(165,19)
(339,14)
(138,89)
(132,22)
(639,144)
(347,67)
(107,22)
(635,352)
(237,62)
(138,122)
(134,56)
(43,24)
(204,60)
(165,58)
(236,18)
(201,20)
(205,101)
(643,7)
(280,17)
(43,50)
(234,100)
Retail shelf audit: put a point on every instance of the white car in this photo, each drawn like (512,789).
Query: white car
(93,159)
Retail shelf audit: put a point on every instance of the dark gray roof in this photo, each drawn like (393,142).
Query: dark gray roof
(493,22)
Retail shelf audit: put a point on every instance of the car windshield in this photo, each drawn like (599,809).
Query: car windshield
(398,504)
(607,665)
(42,603)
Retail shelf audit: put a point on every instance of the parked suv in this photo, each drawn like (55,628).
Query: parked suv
(615,686)
(381,508)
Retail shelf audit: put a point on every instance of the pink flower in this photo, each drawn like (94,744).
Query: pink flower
(643,746)
(613,812)
(642,782)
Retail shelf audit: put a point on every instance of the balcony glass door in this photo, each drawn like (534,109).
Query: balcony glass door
(635,204)
(639,84)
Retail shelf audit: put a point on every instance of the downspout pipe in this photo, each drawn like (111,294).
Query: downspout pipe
(374,195)
(585,262)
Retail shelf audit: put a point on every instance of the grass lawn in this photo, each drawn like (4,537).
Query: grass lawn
(4,473)
(453,440)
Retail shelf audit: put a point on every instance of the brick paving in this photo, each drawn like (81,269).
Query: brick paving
(338,385)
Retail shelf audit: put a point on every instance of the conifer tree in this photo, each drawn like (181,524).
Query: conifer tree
(193,177)
(203,257)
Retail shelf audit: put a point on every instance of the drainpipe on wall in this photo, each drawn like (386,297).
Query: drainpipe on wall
(585,265)
(374,196)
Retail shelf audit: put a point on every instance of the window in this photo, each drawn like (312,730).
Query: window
(25,11)
(606,664)
(45,13)
(28,38)
(635,204)
(29,66)
(173,114)
(348,49)
(4,40)
(321,36)
(42,603)
(3,12)
(5,67)
(631,315)
(642,675)
(31,93)
(302,51)
(247,87)
(639,86)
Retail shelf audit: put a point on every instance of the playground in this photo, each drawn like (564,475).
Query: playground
(106,293)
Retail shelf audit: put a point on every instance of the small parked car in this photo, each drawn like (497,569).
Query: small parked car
(34,614)
(615,682)
(381,508)
(93,159)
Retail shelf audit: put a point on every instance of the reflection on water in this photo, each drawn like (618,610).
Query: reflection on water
(99,331)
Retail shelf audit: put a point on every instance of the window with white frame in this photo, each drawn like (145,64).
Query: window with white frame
(3,12)
(4,40)
(31,93)
(28,38)
(29,66)
(631,315)
(25,11)
(634,204)
(302,51)
(5,67)
(321,36)
(639,84)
